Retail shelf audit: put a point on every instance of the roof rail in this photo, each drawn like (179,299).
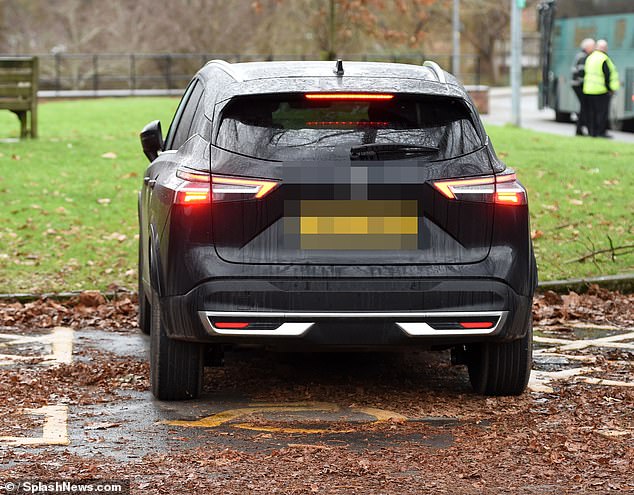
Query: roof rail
(435,68)
(226,67)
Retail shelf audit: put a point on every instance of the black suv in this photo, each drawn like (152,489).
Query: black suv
(319,206)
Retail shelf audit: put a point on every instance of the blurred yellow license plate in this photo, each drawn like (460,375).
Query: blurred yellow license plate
(358,224)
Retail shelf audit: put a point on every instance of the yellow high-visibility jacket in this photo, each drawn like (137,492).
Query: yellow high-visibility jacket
(594,81)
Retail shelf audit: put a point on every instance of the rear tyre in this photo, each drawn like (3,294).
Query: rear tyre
(176,367)
(501,368)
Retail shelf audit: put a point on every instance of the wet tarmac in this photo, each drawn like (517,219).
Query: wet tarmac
(263,401)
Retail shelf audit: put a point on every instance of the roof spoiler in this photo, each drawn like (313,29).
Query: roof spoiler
(226,67)
(435,68)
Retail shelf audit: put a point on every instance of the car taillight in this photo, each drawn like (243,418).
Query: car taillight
(501,189)
(194,190)
(231,324)
(201,188)
(230,188)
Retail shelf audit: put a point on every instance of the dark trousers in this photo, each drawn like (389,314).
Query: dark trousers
(599,111)
(582,116)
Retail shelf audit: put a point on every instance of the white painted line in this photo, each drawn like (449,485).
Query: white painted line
(54,431)
(13,358)
(62,345)
(55,427)
(539,380)
(571,357)
(60,341)
(600,381)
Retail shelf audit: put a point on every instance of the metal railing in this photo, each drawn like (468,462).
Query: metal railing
(161,73)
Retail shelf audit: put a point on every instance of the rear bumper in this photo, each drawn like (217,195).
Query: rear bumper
(365,313)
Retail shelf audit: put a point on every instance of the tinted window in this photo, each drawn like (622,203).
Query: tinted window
(199,119)
(291,127)
(584,8)
(185,123)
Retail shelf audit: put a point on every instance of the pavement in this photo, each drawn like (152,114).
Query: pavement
(533,118)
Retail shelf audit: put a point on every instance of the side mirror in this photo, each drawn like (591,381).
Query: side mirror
(152,139)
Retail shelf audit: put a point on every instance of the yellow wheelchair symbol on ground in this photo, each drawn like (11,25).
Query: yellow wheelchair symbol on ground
(231,417)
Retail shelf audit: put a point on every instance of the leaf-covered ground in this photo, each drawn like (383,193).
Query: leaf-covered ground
(575,439)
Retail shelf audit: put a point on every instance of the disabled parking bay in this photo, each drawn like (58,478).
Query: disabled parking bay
(76,402)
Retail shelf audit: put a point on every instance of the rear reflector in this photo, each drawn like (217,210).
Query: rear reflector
(476,324)
(231,324)
(348,96)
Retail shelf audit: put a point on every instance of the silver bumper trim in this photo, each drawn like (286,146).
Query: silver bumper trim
(298,326)
(422,329)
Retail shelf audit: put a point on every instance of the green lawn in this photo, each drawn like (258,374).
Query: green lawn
(68,199)
(581,197)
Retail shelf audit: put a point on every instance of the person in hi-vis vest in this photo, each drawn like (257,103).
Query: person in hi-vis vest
(600,81)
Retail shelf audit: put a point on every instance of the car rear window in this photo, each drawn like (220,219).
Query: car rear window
(294,127)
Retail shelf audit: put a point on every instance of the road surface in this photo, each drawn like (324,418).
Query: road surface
(533,118)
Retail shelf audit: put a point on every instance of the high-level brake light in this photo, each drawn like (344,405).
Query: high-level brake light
(500,189)
(349,96)
(347,123)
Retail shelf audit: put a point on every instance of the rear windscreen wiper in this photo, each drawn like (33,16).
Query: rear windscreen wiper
(371,151)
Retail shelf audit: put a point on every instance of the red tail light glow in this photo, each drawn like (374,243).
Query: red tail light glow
(510,198)
(500,189)
(349,96)
(476,324)
(231,324)
(352,123)
(191,195)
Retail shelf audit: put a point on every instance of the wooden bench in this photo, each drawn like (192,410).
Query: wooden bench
(18,91)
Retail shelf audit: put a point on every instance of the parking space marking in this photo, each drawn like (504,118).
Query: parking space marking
(539,380)
(380,414)
(601,381)
(228,417)
(557,347)
(60,340)
(54,430)
(616,341)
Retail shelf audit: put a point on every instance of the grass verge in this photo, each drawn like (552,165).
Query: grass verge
(581,198)
(68,199)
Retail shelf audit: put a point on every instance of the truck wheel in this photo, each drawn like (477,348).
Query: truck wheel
(176,367)
(501,368)
(563,117)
